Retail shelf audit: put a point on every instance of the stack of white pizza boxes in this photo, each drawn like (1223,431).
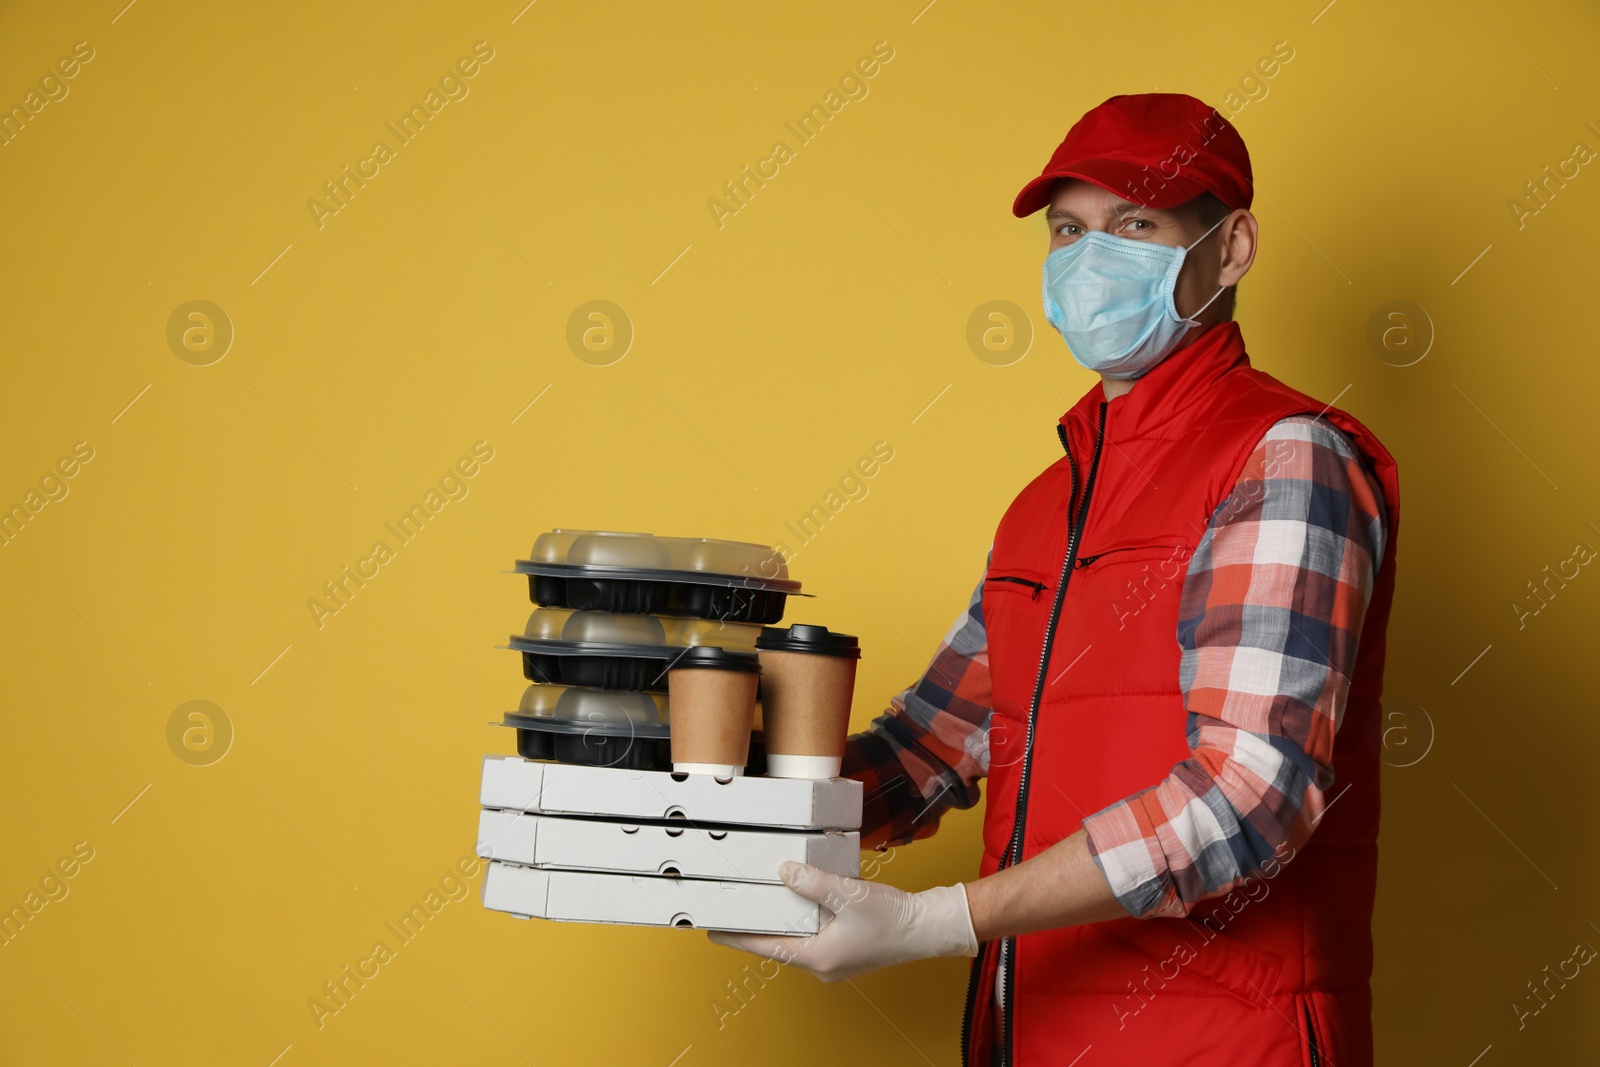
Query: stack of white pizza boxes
(589,823)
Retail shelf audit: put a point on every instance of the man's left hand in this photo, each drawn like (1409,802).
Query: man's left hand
(871,926)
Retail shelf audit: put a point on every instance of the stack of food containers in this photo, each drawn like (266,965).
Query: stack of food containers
(649,790)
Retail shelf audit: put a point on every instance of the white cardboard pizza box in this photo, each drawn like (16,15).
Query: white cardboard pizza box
(676,848)
(648,900)
(515,784)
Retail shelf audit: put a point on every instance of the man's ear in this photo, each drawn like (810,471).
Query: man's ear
(1238,246)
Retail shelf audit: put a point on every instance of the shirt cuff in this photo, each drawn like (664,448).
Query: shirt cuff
(1123,843)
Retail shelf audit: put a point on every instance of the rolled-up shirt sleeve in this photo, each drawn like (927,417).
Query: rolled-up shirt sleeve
(925,754)
(1269,625)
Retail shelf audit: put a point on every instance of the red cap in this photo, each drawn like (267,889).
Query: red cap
(1155,149)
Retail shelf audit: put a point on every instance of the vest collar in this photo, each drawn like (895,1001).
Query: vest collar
(1167,390)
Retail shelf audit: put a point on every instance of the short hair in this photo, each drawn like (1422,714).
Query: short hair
(1207,210)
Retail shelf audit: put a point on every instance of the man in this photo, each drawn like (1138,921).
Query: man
(1170,672)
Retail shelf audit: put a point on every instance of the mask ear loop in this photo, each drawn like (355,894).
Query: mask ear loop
(1208,233)
(1201,309)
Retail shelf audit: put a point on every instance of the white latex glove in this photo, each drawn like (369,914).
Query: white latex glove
(872,925)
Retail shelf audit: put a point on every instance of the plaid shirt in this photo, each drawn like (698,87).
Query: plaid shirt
(1301,537)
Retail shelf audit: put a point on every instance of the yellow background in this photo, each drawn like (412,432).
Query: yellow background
(769,355)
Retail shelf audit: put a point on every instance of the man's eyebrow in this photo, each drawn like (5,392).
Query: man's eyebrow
(1121,207)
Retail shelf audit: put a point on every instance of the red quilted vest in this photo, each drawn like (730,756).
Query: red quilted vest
(1275,972)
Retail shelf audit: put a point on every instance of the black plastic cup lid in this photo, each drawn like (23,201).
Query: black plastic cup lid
(712,658)
(815,640)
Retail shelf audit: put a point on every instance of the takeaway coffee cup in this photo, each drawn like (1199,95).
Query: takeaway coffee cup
(713,695)
(808,675)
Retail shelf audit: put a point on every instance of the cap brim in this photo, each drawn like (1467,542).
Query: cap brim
(1139,184)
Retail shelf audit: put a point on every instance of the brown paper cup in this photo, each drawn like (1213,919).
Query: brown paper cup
(712,714)
(805,712)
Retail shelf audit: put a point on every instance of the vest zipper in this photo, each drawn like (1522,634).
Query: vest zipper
(1014,849)
(1037,587)
(1311,1034)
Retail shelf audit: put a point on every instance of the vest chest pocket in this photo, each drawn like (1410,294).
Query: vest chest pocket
(1017,589)
(1169,559)
(1113,586)
(1014,582)
(1016,608)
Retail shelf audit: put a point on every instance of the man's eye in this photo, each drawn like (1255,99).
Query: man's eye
(1139,224)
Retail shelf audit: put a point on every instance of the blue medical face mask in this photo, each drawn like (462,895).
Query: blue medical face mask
(1111,299)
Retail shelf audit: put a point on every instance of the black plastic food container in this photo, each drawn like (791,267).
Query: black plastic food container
(636,748)
(659,596)
(596,671)
(631,746)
